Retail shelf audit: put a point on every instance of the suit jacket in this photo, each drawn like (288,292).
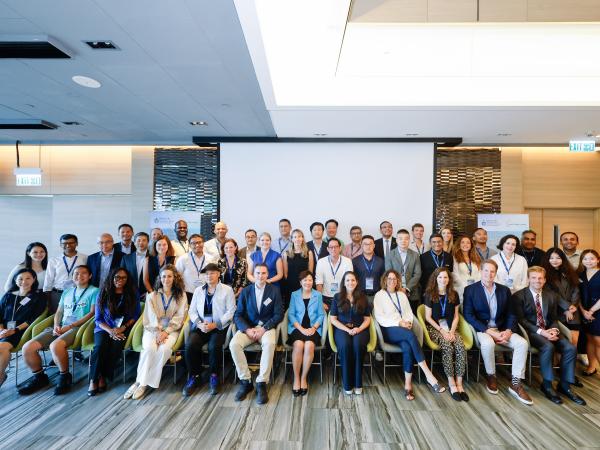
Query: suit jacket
(524,305)
(534,258)
(477,311)
(247,316)
(322,254)
(119,247)
(428,266)
(94,261)
(243,253)
(379,246)
(412,273)
(129,263)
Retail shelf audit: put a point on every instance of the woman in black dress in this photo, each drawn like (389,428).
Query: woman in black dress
(233,269)
(163,255)
(590,306)
(296,260)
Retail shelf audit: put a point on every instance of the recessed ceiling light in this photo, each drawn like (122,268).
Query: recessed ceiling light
(198,123)
(86,82)
(72,122)
(101,45)
(411,134)
(320,134)
(504,134)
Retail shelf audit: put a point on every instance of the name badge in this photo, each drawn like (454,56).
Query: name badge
(119,322)
(267,301)
(68,284)
(164,322)
(509,282)
(334,288)
(198,282)
(11,325)
(444,324)
(369,283)
(25,301)
(208,319)
(470,281)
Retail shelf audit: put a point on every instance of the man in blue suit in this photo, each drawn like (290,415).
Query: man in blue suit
(102,262)
(134,262)
(488,309)
(259,311)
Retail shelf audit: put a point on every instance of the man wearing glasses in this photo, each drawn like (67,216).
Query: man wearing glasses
(331,270)
(60,269)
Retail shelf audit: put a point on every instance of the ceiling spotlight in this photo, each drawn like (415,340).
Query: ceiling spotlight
(411,134)
(101,45)
(320,134)
(86,82)
(504,134)
(198,123)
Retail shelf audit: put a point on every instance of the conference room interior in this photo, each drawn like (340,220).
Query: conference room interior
(448,113)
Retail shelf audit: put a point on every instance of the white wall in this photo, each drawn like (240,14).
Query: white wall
(354,183)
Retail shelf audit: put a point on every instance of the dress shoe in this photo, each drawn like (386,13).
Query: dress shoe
(464,397)
(261,393)
(456,396)
(92,392)
(303,392)
(296,392)
(571,396)
(245,389)
(577,383)
(551,395)
(65,380)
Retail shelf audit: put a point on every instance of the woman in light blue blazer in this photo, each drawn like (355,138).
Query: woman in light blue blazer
(305,328)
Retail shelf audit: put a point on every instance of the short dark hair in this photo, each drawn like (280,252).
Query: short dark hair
(305,273)
(384,222)
(417,225)
(316,224)
(195,235)
(506,238)
(84,266)
(286,220)
(64,237)
(569,232)
(529,232)
(402,231)
(336,240)
(367,236)
(332,221)
(435,235)
(250,230)
(177,221)
(355,227)
(261,265)
(125,225)
(477,229)
(34,285)
(141,234)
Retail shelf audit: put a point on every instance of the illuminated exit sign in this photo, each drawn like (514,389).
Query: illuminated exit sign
(28,177)
(582,146)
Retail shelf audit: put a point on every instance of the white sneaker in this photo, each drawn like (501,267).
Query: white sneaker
(378,356)
(357,391)
(583,359)
(348,392)
(129,393)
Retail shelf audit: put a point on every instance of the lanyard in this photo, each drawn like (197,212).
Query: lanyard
(231,269)
(352,252)
(286,245)
(487,253)
(420,250)
(505,265)
(317,252)
(470,267)
(436,259)
(69,269)
(75,301)
(405,262)
(196,265)
(208,300)
(444,304)
(331,266)
(398,307)
(14,306)
(165,307)
(183,246)
(369,269)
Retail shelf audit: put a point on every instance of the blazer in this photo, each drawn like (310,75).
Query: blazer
(477,311)
(322,254)
(247,316)
(94,263)
(129,263)
(524,305)
(316,312)
(533,258)
(118,246)
(412,273)
(379,246)
(223,306)
(428,266)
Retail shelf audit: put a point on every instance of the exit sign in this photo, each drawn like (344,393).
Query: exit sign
(582,146)
(28,177)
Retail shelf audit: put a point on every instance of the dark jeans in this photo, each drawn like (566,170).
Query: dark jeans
(405,338)
(104,356)
(352,351)
(193,350)
(547,349)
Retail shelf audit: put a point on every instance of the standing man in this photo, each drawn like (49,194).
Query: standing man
(251,237)
(191,266)
(569,241)
(155,233)
(317,245)
(480,237)
(434,258)
(59,273)
(330,271)
(487,307)
(102,262)
(282,243)
(537,312)
(180,243)
(126,246)
(259,311)
(369,268)
(529,251)
(354,249)
(331,227)
(408,264)
(386,243)
(417,243)
(134,262)
(214,247)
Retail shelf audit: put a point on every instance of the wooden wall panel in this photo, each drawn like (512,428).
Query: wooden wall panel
(502,10)
(399,11)
(452,11)
(512,180)
(581,221)
(563,10)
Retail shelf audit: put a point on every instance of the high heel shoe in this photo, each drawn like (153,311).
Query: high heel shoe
(296,392)
(589,374)
(303,392)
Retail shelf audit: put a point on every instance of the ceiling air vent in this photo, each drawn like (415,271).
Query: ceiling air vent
(27,125)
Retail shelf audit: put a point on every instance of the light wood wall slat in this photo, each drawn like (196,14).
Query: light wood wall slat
(563,10)
(502,10)
(512,180)
(397,11)
(452,11)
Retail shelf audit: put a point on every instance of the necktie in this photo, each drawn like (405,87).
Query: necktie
(538,311)
(387,247)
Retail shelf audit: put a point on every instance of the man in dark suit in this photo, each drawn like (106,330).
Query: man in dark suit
(134,262)
(537,312)
(488,309)
(434,258)
(529,251)
(318,246)
(407,263)
(102,262)
(259,311)
(386,243)
(126,246)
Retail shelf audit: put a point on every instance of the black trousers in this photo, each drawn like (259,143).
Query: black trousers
(193,350)
(105,355)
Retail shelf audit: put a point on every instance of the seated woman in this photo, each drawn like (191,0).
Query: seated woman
(305,328)
(233,269)
(351,316)
(164,313)
(269,257)
(441,313)
(161,255)
(392,311)
(19,307)
(117,310)
(36,258)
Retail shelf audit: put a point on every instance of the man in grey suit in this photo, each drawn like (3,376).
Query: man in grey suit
(408,264)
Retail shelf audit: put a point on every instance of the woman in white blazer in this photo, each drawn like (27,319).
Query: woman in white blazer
(512,268)
(467,265)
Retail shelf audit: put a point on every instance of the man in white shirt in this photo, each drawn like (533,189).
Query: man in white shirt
(480,237)
(417,243)
(386,243)
(569,241)
(282,243)
(214,247)
(330,271)
(126,246)
(251,237)
(59,272)
(180,244)
(191,264)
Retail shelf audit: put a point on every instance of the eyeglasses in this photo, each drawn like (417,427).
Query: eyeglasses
(105,242)
(65,243)
(119,278)
(196,242)
(331,247)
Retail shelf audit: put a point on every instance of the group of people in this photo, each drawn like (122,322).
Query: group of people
(513,298)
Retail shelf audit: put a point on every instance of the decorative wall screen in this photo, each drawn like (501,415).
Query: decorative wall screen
(188,180)
(467,182)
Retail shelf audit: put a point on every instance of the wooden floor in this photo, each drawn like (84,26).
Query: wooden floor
(379,419)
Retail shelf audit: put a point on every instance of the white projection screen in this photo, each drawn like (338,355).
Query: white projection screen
(354,183)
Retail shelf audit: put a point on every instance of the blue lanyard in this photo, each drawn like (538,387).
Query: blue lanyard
(436,259)
(165,307)
(369,269)
(286,245)
(487,253)
(444,304)
(470,267)
(69,270)
(317,252)
(232,268)
(75,301)
(331,266)
(398,307)
(504,263)
(209,298)
(196,265)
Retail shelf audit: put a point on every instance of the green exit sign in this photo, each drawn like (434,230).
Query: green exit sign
(582,146)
